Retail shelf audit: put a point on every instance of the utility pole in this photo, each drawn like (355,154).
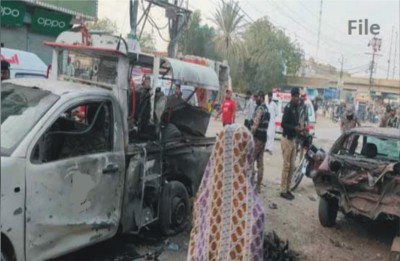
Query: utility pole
(341,67)
(319,28)
(178,18)
(133,43)
(395,54)
(390,53)
(174,17)
(375,43)
(178,23)
(340,81)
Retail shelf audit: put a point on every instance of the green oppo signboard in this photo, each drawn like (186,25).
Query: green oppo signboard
(84,7)
(12,12)
(50,23)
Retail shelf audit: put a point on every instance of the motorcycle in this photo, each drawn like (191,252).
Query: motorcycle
(313,157)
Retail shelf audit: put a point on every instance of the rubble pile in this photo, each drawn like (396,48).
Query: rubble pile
(276,249)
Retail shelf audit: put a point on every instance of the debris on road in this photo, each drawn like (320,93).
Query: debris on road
(276,249)
(173,247)
(336,243)
(273,206)
(312,198)
(340,244)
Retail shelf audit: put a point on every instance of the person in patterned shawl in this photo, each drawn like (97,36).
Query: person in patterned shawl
(228,217)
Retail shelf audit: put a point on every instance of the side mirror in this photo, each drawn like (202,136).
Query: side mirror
(335,166)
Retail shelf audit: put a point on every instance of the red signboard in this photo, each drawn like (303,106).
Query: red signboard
(13,60)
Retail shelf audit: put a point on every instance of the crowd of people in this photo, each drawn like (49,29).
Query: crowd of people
(377,114)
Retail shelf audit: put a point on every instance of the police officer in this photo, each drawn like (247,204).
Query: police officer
(349,120)
(392,121)
(259,127)
(291,129)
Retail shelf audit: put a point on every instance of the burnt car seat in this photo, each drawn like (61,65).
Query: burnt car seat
(370,150)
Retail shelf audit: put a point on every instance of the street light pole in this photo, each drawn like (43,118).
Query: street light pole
(395,54)
(375,43)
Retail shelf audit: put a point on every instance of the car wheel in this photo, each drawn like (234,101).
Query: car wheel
(327,211)
(297,176)
(174,208)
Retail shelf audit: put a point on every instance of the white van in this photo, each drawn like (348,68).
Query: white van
(24,64)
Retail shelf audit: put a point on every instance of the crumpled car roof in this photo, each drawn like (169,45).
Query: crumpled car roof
(56,87)
(375,131)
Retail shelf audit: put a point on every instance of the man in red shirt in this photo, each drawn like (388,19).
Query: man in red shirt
(228,109)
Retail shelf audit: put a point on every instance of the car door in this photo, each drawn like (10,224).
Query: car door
(74,178)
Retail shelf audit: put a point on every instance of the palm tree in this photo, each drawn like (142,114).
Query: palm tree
(228,41)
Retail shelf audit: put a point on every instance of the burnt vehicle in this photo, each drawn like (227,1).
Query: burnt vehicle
(361,175)
(77,168)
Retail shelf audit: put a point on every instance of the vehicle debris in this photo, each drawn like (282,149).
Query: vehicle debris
(275,249)
(172,247)
(361,176)
(312,198)
(273,206)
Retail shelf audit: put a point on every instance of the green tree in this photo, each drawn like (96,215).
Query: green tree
(269,53)
(198,39)
(228,41)
(147,42)
(229,23)
(104,24)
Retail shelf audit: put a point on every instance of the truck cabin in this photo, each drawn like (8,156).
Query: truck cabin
(105,61)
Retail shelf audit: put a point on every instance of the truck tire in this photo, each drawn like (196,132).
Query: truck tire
(174,208)
(327,211)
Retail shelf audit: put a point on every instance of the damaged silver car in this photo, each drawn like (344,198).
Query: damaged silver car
(361,175)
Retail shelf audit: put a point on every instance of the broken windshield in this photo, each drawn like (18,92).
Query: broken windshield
(21,108)
(370,148)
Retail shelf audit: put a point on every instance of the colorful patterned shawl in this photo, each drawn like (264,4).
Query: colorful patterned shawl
(228,218)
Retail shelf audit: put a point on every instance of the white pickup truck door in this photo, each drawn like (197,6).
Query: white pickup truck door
(74,201)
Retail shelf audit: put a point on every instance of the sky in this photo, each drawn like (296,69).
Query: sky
(300,21)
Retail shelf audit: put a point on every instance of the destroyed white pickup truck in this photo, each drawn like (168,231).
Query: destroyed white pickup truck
(78,169)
